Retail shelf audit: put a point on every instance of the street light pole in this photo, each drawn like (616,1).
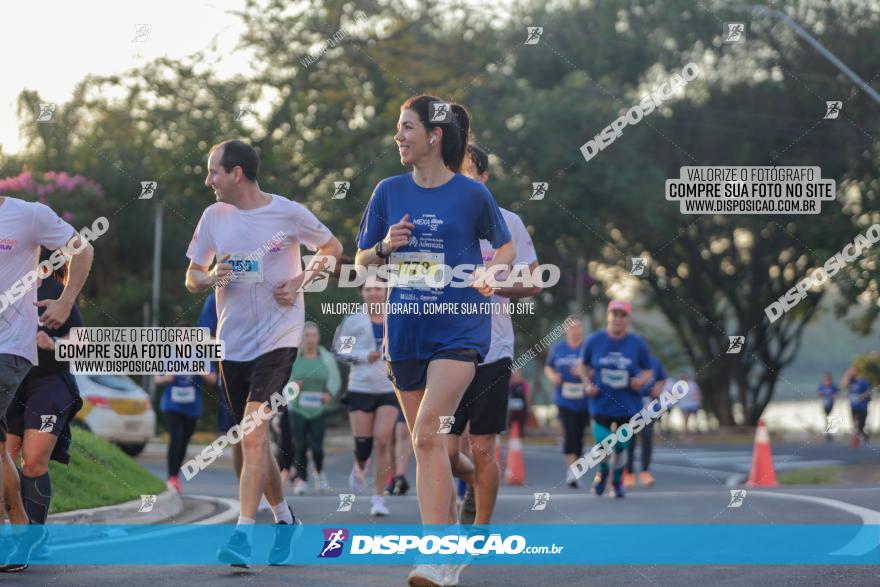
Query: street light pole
(799,30)
(157,275)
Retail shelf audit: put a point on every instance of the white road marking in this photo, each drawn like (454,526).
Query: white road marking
(867,538)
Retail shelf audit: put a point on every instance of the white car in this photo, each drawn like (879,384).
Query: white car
(117,409)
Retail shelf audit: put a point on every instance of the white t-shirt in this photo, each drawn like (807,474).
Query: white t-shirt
(265,243)
(502,324)
(24,226)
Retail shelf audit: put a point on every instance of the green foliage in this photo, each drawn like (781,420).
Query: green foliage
(868,366)
(533,106)
(98,474)
(815,476)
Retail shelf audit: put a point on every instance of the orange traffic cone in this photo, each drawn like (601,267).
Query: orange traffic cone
(516,465)
(762,473)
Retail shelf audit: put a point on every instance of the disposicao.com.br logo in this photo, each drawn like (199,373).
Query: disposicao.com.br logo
(429,544)
(334,542)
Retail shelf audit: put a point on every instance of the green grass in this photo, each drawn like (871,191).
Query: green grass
(815,476)
(98,474)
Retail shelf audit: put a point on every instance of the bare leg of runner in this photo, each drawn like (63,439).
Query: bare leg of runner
(272,486)
(462,467)
(11,502)
(487,478)
(237,460)
(383,430)
(402,449)
(446,381)
(269,489)
(255,451)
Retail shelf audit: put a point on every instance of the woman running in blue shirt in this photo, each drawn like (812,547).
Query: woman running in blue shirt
(616,366)
(828,392)
(422,223)
(572,404)
(181,404)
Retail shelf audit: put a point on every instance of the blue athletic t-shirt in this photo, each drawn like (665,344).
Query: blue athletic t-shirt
(858,386)
(208,317)
(378,334)
(828,392)
(183,395)
(570,393)
(658,373)
(449,222)
(614,362)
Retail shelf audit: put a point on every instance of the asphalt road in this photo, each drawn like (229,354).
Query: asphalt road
(692,487)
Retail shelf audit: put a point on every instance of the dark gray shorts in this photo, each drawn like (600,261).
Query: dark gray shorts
(12,371)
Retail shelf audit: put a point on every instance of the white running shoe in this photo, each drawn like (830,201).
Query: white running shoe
(356,481)
(321,482)
(300,487)
(428,576)
(378,508)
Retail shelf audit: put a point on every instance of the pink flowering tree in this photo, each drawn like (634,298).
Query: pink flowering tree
(74,197)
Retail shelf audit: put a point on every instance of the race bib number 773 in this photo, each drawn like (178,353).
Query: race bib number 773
(413,268)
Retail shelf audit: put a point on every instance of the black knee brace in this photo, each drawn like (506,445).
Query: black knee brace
(363,448)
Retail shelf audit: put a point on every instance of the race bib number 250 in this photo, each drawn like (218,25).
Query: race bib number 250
(246,270)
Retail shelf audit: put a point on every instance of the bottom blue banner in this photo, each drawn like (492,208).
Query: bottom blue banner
(524,544)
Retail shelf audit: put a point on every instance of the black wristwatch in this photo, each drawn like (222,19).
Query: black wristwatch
(379,251)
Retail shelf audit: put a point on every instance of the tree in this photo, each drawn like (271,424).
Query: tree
(712,277)
(325,87)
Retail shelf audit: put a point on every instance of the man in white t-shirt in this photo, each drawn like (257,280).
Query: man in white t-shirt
(258,276)
(484,404)
(24,227)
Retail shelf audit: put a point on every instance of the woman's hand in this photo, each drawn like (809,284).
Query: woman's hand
(398,235)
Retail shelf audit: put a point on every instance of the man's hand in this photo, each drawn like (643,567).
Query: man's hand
(285,294)
(480,280)
(221,272)
(373,356)
(44,341)
(591,390)
(56,314)
(325,397)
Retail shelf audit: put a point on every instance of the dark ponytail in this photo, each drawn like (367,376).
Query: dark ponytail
(456,131)
(454,151)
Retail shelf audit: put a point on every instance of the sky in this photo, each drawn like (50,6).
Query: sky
(53,44)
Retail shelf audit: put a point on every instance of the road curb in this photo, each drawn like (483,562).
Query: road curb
(228,516)
(167,505)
